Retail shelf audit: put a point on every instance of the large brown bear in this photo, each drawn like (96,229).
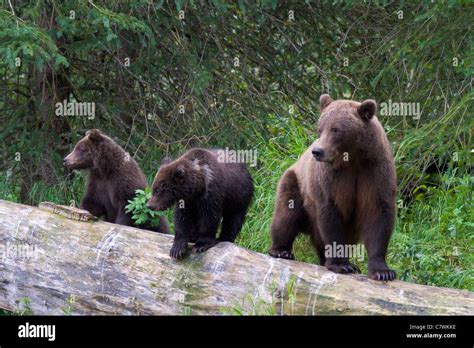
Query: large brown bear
(113,178)
(205,190)
(341,190)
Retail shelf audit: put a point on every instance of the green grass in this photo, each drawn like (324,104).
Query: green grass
(274,157)
(23,308)
(434,237)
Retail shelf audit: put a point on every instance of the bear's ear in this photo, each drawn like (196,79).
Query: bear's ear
(367,109)
(180,172)
(324,101)
(94,135)
(166,160)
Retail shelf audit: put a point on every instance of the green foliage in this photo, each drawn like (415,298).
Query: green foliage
(24,307)
(140,213)
(28,42)
(435,235)
(69,307)
(274,157)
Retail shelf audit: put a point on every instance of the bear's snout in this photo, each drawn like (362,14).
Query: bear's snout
(67,161)
(150,205)
(318,153)
(156,205)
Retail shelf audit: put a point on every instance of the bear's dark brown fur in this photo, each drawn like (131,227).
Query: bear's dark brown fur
(113,178)
(342,189)
(205,190)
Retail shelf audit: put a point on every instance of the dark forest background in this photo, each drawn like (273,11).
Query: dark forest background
(169,75)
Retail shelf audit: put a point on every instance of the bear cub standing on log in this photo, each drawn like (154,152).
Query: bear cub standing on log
(341,190)
(113,179)
(205,189)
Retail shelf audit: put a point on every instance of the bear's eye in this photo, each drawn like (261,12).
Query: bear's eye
(82,148)
(335,130)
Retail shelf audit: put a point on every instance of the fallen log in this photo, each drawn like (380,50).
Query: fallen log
(55,265)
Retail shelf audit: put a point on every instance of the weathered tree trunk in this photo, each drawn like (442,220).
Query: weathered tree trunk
(65,266)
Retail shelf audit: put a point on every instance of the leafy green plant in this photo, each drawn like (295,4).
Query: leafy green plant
(70,302)
(24,307)
(140,213)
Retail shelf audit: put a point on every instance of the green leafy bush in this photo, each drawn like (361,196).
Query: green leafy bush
(140,213)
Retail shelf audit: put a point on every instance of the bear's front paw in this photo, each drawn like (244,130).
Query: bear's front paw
(342,267)
(281,254)
(383,275)
(200,247)
(178,250)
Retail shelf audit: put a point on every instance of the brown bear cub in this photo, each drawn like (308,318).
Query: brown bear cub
(341,190)
(205,190)
(113,178)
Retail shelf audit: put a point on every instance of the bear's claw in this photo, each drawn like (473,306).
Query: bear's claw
(282,254)
(343,268)
(383,275)
(201,247)
(178,251)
